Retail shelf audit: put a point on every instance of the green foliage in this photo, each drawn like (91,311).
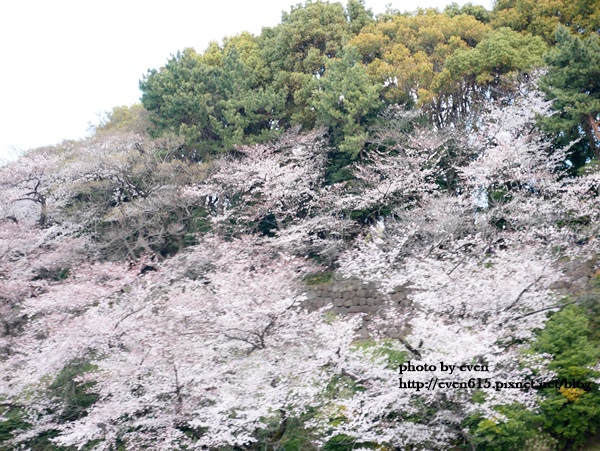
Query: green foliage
(387,349)
(194,433)
(489,70)
(344,442)
(405,55)
(570,414)
(326,66)
(199,223)
(511,430)
(593,167)
(347,100)
(573,83)
(182,97)
(566,338)
(216,101)
(567,414)
(503,52)
(75,397)
(250,107)
(541,17)
(469,9)
(124,119)
(267,226)
(15,420)
(297,436)
(307,36)
(318,278)
(500,196)
(590,303)
(358,15)
(342,386)
(339,169)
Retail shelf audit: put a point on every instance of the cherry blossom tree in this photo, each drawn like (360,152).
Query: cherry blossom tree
(27,186)
(478,291)
(214,347)
(280,186)
(169,353)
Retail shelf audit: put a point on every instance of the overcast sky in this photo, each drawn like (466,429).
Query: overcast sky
(66,61)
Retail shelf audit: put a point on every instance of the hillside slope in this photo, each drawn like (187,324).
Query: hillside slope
(313,254)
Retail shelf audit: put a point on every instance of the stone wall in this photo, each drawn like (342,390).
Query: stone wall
(353,296)
(348,297)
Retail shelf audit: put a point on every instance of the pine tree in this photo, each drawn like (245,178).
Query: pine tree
(573,82)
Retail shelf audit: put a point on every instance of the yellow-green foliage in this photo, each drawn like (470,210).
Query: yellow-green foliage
(329,66)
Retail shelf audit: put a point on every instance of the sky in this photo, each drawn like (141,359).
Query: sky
(64,62)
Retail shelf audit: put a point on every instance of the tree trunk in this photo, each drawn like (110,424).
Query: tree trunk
(43,212)
(593,133)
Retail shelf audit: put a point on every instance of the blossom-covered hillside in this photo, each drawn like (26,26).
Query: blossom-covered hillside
(156,277)
(152,303)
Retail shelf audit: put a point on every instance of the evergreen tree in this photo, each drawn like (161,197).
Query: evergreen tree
(182,97)
(570,412)
(573,82)
(346,101)
(541,17)
(358,15)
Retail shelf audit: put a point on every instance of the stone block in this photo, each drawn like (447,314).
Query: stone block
(362,333)
(310,295)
